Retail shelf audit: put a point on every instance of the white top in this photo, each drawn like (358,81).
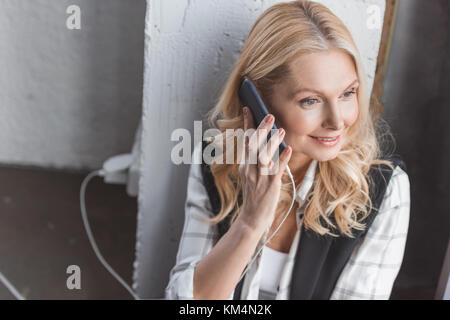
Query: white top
(369,274)
(272,264)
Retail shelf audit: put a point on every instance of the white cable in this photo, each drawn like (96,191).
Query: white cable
(10,287)
(279,226)
(89,232)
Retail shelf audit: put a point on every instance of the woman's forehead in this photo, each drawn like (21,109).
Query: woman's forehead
(321,71)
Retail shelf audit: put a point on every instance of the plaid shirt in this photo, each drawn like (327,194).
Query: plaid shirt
(369,274)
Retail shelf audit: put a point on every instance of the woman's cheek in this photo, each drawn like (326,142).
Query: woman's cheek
(352,115)
(303,125)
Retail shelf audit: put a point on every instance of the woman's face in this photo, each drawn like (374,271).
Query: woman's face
(318,104)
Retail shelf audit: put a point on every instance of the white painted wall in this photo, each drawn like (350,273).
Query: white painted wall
(190,49)
(69,98)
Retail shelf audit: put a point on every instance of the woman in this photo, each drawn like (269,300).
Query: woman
(308,71)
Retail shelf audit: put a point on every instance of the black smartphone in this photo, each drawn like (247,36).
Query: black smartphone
(249,97)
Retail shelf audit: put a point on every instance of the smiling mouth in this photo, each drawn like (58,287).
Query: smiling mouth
(328,139)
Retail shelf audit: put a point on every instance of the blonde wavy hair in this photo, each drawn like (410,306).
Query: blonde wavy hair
(282,33)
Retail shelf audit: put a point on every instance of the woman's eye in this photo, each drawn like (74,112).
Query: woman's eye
(308,102)
(348,94)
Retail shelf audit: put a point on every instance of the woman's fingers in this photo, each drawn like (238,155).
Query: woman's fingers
(259,137)
(250,134)
(263,130)
(249,167)
(258,155)
(272,147)
(284,160)
(246,125)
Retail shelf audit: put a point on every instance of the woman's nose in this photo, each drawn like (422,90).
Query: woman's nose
(334,119)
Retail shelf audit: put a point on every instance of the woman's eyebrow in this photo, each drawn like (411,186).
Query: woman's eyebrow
(296,92)
(356,81)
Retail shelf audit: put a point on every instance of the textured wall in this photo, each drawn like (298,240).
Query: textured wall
(190,50)
(69,98)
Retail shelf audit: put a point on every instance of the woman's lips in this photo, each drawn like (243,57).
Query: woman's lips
(326,141)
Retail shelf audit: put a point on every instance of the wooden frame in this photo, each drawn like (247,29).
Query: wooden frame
(383,57)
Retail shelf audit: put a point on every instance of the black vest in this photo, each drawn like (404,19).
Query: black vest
(319,259)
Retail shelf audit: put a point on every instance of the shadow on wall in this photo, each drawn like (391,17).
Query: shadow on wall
(416,102)
(115,54)
(71,98)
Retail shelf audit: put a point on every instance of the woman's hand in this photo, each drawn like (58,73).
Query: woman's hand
(260,190)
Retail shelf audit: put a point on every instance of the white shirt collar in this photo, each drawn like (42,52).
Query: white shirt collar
(307,183)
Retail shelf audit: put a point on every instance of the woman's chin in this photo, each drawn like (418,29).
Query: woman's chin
(325,156)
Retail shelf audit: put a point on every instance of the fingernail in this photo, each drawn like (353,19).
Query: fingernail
(269,118)
(287,151)
(281,131)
